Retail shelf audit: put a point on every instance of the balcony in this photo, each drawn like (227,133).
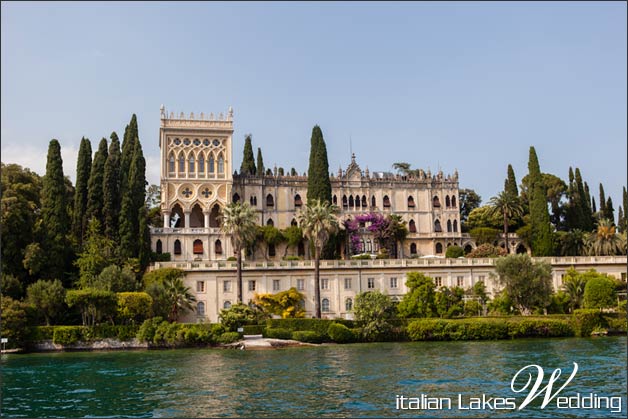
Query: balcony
(191,230)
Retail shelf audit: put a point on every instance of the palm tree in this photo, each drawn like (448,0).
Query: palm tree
(509,206)
(318,221)
(179,297)
(574,287)
(240,222)
(604,241)
(398,232)
(573,243)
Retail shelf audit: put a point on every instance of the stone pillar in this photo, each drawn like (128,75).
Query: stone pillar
(206,219)
(186,216)
(166,219)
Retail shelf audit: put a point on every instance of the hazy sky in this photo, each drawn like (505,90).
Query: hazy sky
(438,85)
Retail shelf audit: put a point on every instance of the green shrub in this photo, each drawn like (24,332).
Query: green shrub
(315,325)
(229,337)
(147,330)
(584,321)
(256,329)
(134,307)
(454,252)
(340,333)
(160,257)
(42,333)
(307,336)
(232,259)
(277,333)
(617,325)
(599,292)
(67,335)
(539,328)
(292,258)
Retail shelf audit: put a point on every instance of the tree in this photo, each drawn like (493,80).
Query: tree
(624,225)
(179,297)
(98,253)
(238,315)
(270,235)
(48,297)
(247,167)
(116,279)
(55,221)
(469,200)
(602,202)
(599,292)
(159,276)
(542,243)
(484,235)
(111,190)
(95,185)
(318,183)
(510,185)
(134,307)
(239,222)
(484,217)
(620,220)
(555,189)
(509,206)
(609,211)
(14,317)
(83,170)
(10,286)
(287,304)
(294,236)
(21,204)
(454,252)
(93,304)
(527,283)
(448,302)
(572,243)
(318,221)
(131,136)
(260,163)
(396,232)
(373,312)
(486,250)
(605,241)
(402,168)
(419,300)
(573,285)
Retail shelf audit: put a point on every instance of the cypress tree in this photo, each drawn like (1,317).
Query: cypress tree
(55,221)
(593,207)
(609,211)
(542,243)
(602,201)
(248,161)
(83,169)
(111,190)
(95,184)
(144,238)
(587,197)
(624,224)
(260,163)
(318,183)
(128,146)
(510,185)
(585,214)
(620,219)
(132,202)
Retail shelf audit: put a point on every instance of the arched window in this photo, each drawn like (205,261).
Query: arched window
(181,164)
(413,248)
(412,226)
(386,201)
(357,201)
(435,202)
(177,220)
(301,249)
(221,164)
(196,217)
(364,201)
(439,248)
(437,227)
(447,201)
(201,164)
(453,201)
(294,223)
(226,305)
(271,250)
(171,164)
(297,201)
(214,216)
(200,309)
(177,247)
(369,246)
(158,248)
(270,201)
(410,202)
(198,247)
(351,205)
(325,305)
(211,164)
(253,200)
(468,249)
(373,201)
(455,226)
(344,201)
(218,247)
(236,197)
(449,226)
(521,249)
(348,304)
(270,222)
(335,200)
(191,166)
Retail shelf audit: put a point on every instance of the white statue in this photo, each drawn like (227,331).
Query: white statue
(174,220)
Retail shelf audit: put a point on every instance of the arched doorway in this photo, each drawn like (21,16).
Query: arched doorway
(214,216)
(177,220)
(196,216)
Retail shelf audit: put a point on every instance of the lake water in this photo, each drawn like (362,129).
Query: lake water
(360,380)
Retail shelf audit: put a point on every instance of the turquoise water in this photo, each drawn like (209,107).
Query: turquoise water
(360,380)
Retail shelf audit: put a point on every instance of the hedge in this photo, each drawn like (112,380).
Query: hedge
(70,335)
(256,329)
(307,336)
(160,333)
(277,333)
(314,325)
(340,333)
(486,329)
(229,337)
(584,321)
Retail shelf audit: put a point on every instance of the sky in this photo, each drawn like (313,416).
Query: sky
(466,86)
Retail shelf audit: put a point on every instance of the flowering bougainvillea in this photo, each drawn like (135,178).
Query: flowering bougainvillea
(386,231)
